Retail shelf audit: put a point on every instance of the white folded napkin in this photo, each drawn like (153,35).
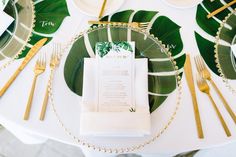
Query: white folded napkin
(233,47)
(6,20)
(133,124)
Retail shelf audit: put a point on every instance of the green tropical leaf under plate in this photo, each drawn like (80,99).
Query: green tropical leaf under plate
(161,79)
(206,41)
(49,15)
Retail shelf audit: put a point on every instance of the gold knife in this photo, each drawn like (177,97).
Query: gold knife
(28,57)
(189,78)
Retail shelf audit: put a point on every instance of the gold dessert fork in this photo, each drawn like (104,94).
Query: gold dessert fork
(204,87)
(54,62)
(205,73)
(141,25)
(39,68)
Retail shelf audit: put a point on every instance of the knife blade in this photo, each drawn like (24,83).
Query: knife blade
(28,57)
(189,78)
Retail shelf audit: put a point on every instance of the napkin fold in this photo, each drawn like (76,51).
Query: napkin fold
(132,124)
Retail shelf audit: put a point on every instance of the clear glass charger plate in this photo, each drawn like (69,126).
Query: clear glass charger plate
(225,58)
(163,79)
(15,38)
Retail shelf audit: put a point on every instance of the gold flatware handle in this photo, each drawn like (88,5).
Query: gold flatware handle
(220,9)
(102,9)
(189,77)
(228,108)
(226,129)
(29,103)
(9,82)
(44,106)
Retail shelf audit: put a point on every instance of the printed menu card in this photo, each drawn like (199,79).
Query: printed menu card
(115,76)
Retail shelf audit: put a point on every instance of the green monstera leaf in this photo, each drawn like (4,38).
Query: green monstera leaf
(161,78)
(49,15)
(210,29)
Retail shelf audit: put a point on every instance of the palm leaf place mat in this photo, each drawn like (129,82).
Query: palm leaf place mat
(40,20)
(162,27)
(220,34)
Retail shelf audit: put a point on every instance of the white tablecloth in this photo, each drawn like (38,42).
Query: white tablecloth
(181,136)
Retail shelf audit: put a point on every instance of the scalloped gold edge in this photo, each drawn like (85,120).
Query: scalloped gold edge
(123,149)
(225,80)
(5,65)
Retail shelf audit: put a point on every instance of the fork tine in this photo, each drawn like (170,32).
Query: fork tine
(198,64)
(44,59)
(40,60)
(53,52)
(200,60)
(37,62)
(144,23)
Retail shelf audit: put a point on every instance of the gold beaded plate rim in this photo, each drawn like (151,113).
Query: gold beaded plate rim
(5,64)
(217,42)
(118,149)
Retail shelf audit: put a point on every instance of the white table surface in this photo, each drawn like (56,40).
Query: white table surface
(181,136)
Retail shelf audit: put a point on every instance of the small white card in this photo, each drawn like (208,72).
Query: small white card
(233,47)
(7,20)
(3,4)
(115,63)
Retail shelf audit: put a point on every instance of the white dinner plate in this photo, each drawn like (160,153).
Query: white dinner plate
(93,7)
(182,3)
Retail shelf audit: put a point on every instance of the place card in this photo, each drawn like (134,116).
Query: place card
(115,76)
(233,47)
(7,22)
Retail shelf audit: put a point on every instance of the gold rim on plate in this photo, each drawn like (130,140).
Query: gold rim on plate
(28,4)
(218,65)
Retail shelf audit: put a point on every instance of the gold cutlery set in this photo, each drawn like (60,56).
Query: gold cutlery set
(203,76)
(28,57)
(40,68)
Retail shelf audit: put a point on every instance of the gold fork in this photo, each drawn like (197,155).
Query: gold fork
(205,73)
(141,25)
(54,62)
(204,87)
(39,68)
